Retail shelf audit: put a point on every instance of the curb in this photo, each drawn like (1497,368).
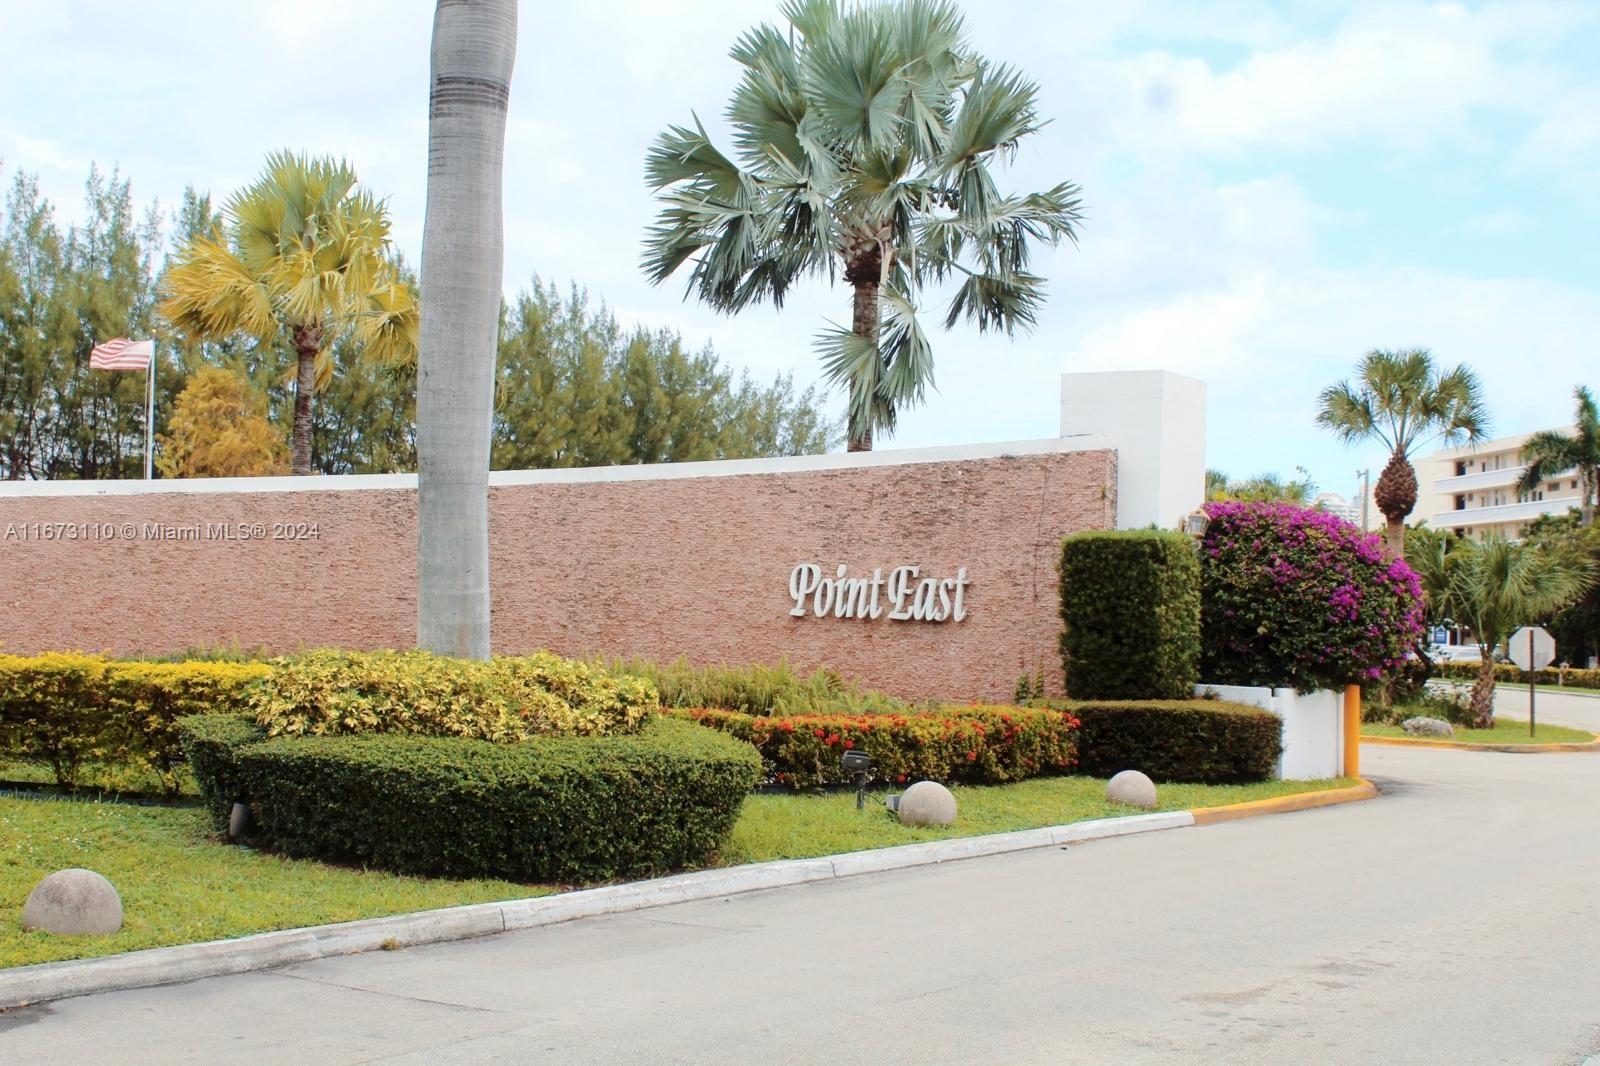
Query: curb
(1462,745)
(41,982)
(1304,801)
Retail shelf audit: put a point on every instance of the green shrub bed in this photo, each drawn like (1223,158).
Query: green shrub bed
(756,689)
(80,713)
(1575,677)
(1130,609)
(1200,741)
(974,745)
(547,808)
(72,711)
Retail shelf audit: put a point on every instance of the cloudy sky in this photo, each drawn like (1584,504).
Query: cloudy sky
(1272,188)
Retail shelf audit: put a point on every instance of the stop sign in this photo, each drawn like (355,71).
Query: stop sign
(1539,655)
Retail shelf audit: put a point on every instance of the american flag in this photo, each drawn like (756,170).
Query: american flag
(122,354)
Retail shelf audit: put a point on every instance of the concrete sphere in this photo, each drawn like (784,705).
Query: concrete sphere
(927,803)
(73,903)
(1132,789)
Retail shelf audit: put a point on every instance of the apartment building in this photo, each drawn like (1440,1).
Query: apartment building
(1473,489)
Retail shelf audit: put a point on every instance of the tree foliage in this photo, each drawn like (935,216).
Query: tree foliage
(866,139)
(575,386)
(577,389)
(302,257)
(1263,488)
(1551,453)
(219,428)
(62,291)
(1403,400)
(1496,585)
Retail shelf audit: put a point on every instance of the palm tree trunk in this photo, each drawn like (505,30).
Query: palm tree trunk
(1396,495)
(1394,536)
(474,47)
(305,383)
(863,323)
(1483,694)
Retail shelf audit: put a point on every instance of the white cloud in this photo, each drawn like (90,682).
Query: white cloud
(1402,75)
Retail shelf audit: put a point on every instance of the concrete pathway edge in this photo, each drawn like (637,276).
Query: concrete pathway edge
(23,985)
(1466,745)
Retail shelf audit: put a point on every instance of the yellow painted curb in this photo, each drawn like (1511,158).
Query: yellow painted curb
(1462,745)
(1301,801)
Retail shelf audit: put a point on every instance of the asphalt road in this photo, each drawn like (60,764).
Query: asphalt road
(1453,920)
(1578,709)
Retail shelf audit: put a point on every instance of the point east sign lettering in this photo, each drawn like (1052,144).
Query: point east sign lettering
(901,595)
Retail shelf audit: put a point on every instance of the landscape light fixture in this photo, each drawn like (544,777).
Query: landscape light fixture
(1197,523)
(858,763)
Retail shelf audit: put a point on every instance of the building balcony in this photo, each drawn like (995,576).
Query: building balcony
(1482,479)
(1509,512)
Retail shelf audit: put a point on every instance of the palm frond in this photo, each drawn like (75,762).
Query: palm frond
(1002,301)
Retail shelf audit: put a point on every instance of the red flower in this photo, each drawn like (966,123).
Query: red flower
(833,738)
(820,732)
(899,779)
(972,756)
(849,744)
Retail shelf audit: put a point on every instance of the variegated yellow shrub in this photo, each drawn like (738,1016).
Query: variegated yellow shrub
(505,699)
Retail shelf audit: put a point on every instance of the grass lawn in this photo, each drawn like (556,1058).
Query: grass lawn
(799,827)
(1505,731)
(180,884)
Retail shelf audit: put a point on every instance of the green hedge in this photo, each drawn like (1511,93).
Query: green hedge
(974,745)
(71,711)
(546,808)
(1575,677)
(1130,608)
(1205,741)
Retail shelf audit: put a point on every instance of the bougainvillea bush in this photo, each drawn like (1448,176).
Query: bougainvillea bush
(1297,598)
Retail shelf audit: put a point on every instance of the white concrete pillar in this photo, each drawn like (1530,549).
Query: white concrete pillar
(1156,420)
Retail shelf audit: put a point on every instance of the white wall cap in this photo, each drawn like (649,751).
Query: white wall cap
(788,464)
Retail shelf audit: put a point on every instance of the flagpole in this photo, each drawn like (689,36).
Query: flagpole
(150,415)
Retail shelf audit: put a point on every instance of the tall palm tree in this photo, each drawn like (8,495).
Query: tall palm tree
(867,138)
(1550,453)
(301,256)
(463,251)
(1403,400)
(1498,584)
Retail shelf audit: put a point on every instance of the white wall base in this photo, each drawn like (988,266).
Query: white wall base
(1313,726)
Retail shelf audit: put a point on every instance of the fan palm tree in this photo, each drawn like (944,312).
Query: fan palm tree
(1403,400)
(1550,453)
(463,251)
(1431,554)
(1498,584)
(301,256)
(867,139)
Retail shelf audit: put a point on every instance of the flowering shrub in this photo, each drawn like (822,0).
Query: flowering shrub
(976,745)
(1298,598)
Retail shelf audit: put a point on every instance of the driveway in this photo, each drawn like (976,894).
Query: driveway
(1453,920)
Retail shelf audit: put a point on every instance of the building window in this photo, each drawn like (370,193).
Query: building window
(1461,468)
(1553,486)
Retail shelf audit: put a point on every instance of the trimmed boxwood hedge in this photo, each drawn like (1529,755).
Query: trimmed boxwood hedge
(1204,741)
(1130,609)
(547,808)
